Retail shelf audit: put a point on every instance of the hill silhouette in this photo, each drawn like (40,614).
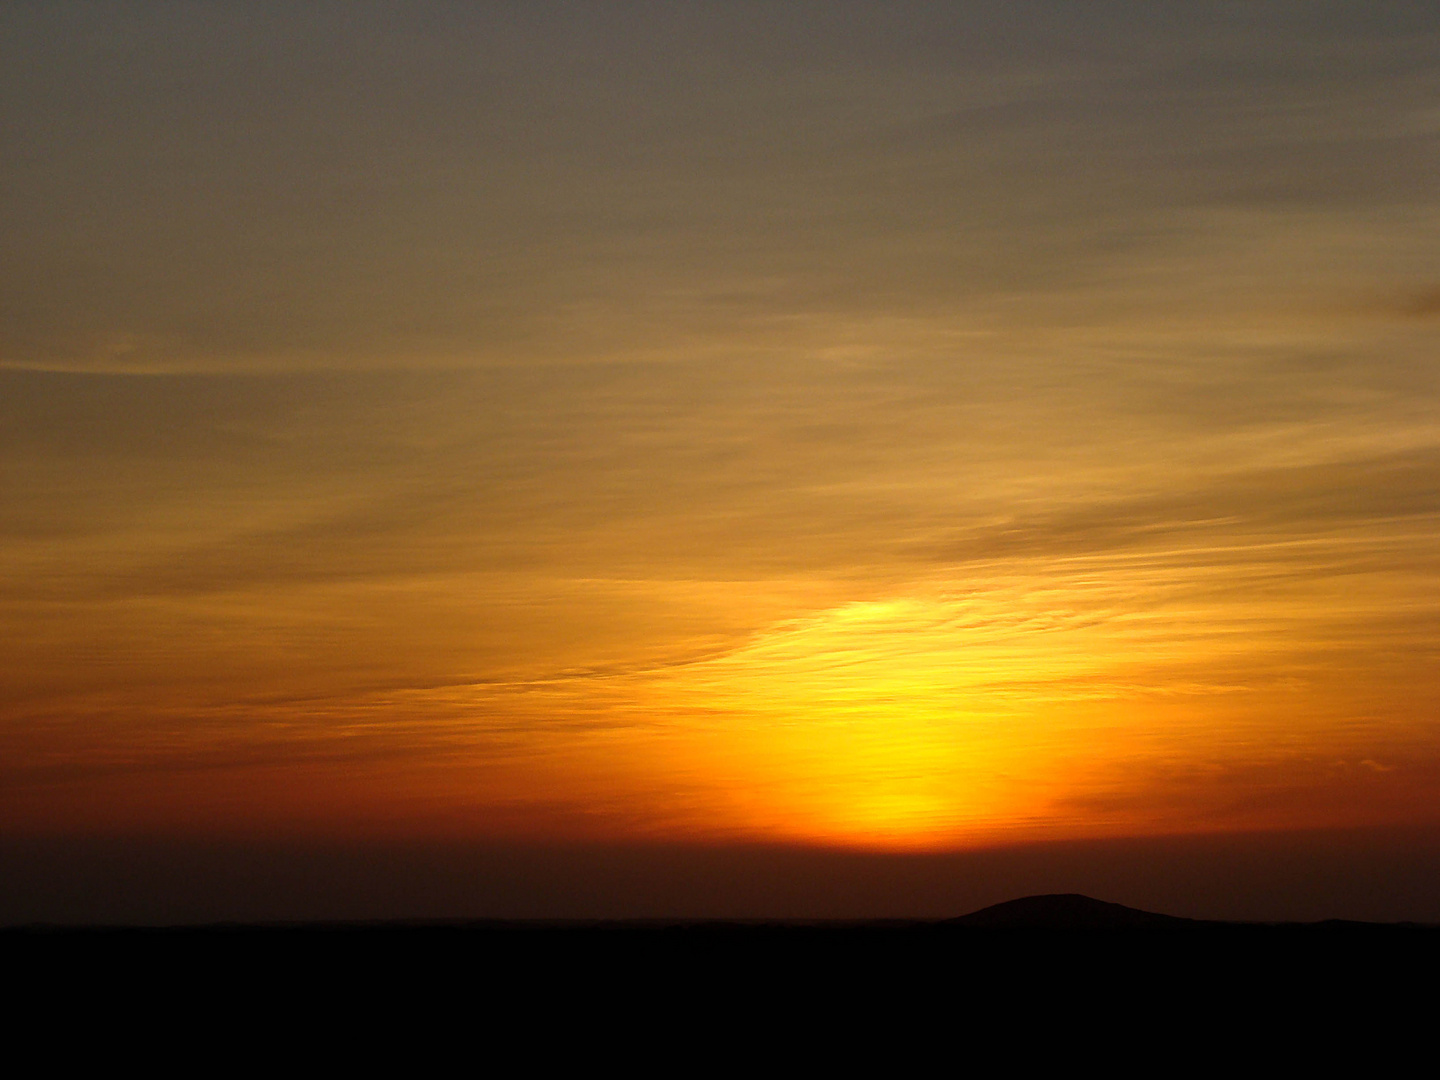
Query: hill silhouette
(1069,911)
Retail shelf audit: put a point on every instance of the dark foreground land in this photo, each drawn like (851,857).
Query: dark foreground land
(1042,944)
(1064,977)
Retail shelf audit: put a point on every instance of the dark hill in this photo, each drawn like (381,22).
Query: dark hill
(1069,911)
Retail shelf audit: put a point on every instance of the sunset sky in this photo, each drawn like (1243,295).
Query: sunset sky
(878,428)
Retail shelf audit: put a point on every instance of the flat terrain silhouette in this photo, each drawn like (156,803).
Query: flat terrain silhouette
(1046,955)
(1047,912)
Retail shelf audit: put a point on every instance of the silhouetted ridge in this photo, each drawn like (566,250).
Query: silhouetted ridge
(1068,911)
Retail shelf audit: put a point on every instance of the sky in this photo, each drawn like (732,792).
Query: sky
(863,431)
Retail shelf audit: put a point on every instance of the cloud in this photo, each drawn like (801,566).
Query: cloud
(1424,303)
(542,189)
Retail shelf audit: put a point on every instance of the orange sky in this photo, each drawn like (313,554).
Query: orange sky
(913,428)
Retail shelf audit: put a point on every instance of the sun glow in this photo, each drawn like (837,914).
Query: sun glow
(907,722)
